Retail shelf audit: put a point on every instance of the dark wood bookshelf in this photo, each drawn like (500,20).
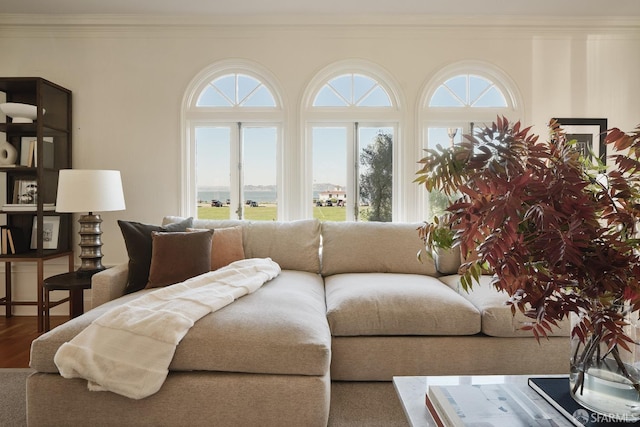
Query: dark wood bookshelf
(53,125)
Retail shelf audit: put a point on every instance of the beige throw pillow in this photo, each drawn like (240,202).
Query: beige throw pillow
(226,247)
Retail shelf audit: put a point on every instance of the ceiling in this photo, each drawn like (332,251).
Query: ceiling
(541,8)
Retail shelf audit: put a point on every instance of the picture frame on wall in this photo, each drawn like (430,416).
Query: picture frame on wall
(50,232)
(589,134)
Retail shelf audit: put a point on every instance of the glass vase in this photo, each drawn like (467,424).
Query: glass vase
(604,381)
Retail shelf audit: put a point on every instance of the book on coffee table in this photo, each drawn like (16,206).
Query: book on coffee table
(556,391)
(497,405)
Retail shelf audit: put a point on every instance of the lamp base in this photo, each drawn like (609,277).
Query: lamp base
(90,245)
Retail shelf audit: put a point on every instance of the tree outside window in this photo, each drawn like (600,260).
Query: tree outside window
(376,179)
(352,158)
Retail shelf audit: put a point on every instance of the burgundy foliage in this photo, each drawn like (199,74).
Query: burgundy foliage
(558,232)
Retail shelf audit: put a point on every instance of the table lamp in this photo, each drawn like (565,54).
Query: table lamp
(81,191)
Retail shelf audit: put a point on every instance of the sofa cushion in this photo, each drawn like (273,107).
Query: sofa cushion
(294,245)
(497,320)
(380,358)
(396,304)
(177,257)
(372,247)
(279,329)
(137,239)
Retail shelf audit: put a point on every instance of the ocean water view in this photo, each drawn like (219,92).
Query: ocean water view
(258,196)
(265,195)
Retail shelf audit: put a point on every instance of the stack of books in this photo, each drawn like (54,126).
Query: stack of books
(12,240)
(485,405)
(510,404)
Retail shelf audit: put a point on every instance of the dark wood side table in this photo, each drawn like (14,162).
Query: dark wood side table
(72,282)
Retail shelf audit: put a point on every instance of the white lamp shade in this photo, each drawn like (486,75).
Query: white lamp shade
(89,191)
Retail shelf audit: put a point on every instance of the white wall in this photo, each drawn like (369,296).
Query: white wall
(128,76)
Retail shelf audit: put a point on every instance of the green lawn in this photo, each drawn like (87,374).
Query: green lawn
(268,213)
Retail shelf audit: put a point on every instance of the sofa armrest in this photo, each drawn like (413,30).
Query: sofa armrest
(109,284)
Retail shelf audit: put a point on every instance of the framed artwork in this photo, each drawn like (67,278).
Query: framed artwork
(50,232)
(590,134)
(25,192)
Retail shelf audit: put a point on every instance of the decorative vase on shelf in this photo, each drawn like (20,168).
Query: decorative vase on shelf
(603,380)
(8,154)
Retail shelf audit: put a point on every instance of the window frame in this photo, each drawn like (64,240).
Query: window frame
(462,117)
(450,115)
(365,116)
(193,116)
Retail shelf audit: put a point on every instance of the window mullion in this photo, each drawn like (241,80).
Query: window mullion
(240,176)
(356,171)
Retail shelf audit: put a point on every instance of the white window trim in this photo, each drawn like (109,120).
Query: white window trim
(460,116)
(345,117)
(192,116)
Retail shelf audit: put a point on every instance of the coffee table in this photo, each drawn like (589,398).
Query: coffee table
(412,391)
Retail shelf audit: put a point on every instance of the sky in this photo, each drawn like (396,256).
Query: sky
(213,149)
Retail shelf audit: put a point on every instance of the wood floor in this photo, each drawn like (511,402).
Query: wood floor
(16,334)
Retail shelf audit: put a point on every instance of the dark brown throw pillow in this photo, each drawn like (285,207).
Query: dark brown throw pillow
(137,239)
(176,257)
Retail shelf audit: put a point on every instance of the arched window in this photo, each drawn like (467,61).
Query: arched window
(235,90)
(470,91)
(233,120)
(352,90)
(351,119)
(458,99)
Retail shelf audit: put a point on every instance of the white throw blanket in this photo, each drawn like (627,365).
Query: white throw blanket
(128,349)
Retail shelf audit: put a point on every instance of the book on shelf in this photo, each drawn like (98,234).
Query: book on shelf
(26,150)
(501,404)
(12,240)
(27,207)
(29,151)
(556,391)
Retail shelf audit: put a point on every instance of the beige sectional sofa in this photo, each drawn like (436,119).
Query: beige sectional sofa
(352,304)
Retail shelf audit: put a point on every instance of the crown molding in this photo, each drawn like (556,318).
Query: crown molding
(319,20)
(343,25)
